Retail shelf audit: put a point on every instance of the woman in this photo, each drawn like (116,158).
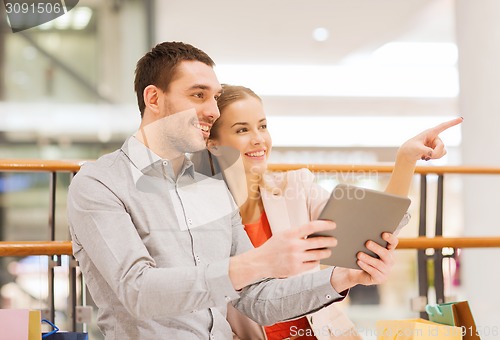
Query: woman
(281,201)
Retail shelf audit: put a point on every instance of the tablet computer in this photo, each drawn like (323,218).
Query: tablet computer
(361,215)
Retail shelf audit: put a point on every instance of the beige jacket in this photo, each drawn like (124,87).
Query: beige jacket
(290,200)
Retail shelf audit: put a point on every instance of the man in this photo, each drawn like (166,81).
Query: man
(162,247)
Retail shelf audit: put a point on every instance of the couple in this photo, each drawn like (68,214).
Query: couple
(162,246)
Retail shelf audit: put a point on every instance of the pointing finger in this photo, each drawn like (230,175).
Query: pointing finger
(446,125)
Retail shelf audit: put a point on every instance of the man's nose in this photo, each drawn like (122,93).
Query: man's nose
(211,110)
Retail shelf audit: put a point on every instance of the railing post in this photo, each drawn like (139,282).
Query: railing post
(73,286)
(438,252)
(423,287)
(54,260)
(73,293)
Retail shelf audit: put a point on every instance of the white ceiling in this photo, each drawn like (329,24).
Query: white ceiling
(280,31)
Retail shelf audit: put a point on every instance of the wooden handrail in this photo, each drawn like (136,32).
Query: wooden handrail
(73,166)
(21,165)
(478,170)
(27,248)
(452,242)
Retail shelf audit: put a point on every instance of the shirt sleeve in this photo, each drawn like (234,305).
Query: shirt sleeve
(275,300)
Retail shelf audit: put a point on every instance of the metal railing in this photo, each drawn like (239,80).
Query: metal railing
(54,248)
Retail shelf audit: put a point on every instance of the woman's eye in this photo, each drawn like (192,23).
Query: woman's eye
(241,130)
(198,95)
(263,126)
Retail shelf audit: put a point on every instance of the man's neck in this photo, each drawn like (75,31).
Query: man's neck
(149,139)
(177,164)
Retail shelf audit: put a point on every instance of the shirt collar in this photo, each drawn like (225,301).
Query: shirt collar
(148,162)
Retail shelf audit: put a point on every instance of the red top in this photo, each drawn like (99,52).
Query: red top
(259,233)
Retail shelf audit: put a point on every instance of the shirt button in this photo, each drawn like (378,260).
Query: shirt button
(227,298)
(165,163)
(212,336)
(328,296)
(197,258)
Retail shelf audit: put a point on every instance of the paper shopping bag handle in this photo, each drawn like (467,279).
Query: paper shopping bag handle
(429,308)
(55,328)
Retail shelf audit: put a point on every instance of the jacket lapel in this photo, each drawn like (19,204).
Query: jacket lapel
(276,207)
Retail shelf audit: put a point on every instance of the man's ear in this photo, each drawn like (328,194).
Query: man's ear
(151,96)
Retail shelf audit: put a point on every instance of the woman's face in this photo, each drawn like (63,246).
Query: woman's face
(243,126)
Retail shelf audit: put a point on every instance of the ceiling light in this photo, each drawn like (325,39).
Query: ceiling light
(344,80)
(81,17)
(353,131)
(320,34)
(63,22)
(416,53)
(77,19)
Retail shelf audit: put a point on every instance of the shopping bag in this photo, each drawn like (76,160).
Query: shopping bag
(454,314)
(56,335)
(418,329)
(68,336)
(20,324)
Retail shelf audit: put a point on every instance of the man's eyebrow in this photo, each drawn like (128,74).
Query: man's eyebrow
(203,87)
(199,87)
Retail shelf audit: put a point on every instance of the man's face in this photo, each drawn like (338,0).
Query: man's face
(189,106)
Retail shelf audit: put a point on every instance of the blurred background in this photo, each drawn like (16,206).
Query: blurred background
(343,81)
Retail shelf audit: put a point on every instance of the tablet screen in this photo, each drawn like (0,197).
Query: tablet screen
(361,215)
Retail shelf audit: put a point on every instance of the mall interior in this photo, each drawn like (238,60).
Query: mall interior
(343,82)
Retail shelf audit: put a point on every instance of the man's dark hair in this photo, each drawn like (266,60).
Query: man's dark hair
(158,66)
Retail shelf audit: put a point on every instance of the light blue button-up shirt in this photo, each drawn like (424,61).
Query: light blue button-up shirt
(154,250)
